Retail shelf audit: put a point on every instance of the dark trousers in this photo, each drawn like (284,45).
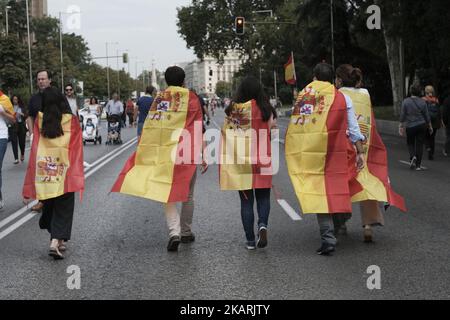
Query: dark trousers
(430,141)
(248,216)
(17,135)
(416,138)
(447,142)
(57,216)
(130,118)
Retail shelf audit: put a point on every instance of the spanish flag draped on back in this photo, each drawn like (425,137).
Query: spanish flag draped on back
(5,102)
(374,177)
(319,155)
(246,150)
(165,161)
(56,165)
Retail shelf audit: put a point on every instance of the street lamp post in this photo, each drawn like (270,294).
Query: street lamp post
(118,70)
(107,67)
(29,46)
(137,76)
(7,22)
(332,33)
(61,51)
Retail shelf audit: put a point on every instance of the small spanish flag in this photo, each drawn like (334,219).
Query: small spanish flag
(290,75)
(5,102)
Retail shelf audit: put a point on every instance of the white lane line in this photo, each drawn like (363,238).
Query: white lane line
(113,152)
(16,225)
(289,210)
(110,159)
(87,165)
(215,123)
(16,215)
(409,164)
(28,217)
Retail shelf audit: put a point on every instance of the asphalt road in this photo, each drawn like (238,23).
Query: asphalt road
(119,244)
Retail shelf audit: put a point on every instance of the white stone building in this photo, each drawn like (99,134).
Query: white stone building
(203,76)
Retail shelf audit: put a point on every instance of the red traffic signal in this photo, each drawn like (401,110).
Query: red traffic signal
(239,25)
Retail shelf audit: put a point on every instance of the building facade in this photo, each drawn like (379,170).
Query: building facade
(38,8)
(203,76)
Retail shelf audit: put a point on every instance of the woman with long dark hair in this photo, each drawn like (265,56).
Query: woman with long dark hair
(18,130)
(55,171)
(250,110)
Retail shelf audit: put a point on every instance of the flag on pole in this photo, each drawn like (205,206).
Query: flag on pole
(290,75)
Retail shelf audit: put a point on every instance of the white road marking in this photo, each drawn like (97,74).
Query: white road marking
(106,159)
(289,210)
(409,164)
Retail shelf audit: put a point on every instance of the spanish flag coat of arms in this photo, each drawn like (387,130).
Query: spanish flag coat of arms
(168,151)
(246,159)
(56,165)
(320,157)
(374,178)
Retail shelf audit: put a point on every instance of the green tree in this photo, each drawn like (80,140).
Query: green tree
(223,89)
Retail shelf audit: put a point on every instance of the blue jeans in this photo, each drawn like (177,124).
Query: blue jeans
(3,146)
(140,127)
(248,216)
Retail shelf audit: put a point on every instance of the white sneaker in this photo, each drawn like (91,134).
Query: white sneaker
(445,153)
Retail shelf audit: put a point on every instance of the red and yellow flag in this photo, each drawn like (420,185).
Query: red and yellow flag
(165,161)
(319,154)
(375,177)
(5,102)
(245,150)
(56,165)
(289,68)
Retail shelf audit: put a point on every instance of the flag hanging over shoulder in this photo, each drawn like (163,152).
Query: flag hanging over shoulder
(246,161)
(168,152)
(374,178)
(56,165)
(289,68)
(319,155)
(5,102)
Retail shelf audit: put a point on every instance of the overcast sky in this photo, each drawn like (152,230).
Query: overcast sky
(147,28)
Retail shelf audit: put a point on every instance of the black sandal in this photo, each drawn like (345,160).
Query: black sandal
(53,252)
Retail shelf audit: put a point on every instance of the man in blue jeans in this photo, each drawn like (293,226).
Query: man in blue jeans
(142,108)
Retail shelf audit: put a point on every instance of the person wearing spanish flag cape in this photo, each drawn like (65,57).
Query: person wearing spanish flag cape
(374,178)
(55,170)
(164,166)
(321,140)
(246,162)
(6,116)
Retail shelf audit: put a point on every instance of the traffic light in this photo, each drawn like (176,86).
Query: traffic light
(125,58)
(239,25)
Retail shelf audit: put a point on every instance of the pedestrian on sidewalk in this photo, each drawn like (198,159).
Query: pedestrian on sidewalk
(374,178)
(415,122)
(446,123)
(44,81)
(143,107)
(434,109)
(130,112)
(18,130)
(55,171)
(5,119)
(71,99)
(250,112)
(324,151)
(153,173)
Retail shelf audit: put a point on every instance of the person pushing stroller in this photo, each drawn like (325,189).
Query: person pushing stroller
(114,111)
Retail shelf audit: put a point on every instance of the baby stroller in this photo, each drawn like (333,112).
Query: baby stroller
(114,126)
(90,129)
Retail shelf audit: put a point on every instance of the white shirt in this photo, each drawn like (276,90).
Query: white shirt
(3,126)
(73,105)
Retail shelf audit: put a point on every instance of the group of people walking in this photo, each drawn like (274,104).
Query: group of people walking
(335,155)
(422,116)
